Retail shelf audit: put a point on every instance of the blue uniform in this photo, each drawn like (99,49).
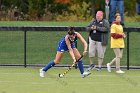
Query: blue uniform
(62,46)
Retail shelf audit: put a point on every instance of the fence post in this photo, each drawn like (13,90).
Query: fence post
(127,50)
(25,65)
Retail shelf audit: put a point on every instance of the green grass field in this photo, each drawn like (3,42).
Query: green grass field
(40,50)
(54,23)
(27,80)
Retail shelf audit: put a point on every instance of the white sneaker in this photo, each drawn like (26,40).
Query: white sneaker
(108,67)
(42,73)
(85,74)
(120,72)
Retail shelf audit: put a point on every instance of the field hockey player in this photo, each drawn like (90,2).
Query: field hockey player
(67,43)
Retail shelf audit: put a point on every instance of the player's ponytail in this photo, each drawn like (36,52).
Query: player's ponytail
(71,30)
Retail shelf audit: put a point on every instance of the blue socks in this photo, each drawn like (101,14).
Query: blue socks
(81,68)
(51,64)
(48,66)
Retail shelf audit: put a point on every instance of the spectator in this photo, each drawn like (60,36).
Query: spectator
(120,5)
(98,38)
(117,43)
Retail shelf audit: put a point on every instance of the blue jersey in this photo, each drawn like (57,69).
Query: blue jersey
(62,46)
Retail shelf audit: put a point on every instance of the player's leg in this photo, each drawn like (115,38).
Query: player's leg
(51,63)
(56,61)
(80,63)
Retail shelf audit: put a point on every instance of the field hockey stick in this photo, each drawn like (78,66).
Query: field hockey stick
(63,74)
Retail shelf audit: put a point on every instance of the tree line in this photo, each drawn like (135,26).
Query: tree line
(58,10)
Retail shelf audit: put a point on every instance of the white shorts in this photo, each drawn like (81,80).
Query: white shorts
(95,46)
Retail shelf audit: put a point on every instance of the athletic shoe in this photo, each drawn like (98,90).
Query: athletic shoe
(85,74)
(108,67)
(120,72)
(42,73)
(90,67)
(98,69)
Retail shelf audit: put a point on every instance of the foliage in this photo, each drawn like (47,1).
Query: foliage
(134,18)
(130,7)
(36,8)
(75,13)
(62,1)
(58,9)
(138,1)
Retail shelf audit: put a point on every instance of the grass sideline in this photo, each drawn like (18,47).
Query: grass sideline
(54,23)
(27,80)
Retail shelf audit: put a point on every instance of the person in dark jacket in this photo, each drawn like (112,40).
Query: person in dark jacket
(98,39)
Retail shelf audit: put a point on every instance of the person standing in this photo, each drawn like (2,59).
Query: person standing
(98,39)
(117,4)
(117,43)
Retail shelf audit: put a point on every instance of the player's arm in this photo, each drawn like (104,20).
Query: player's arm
(70,49)
(83,42)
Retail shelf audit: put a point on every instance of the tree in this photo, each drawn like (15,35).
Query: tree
(36,8)
(0,4)
(130,7)
(63,1)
